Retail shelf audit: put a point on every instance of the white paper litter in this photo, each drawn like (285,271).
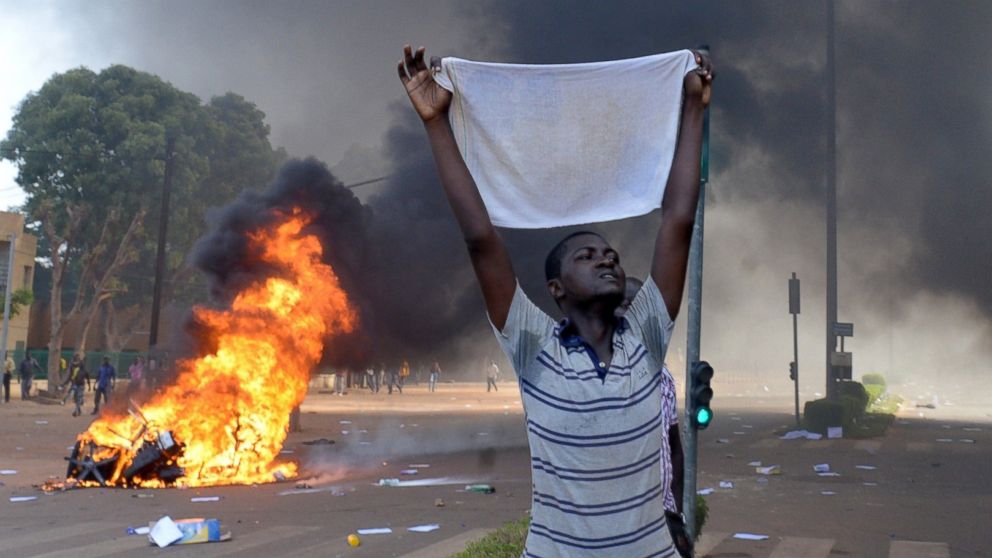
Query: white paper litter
(754,464)
(705,491)
(972,429)
(866,467)
(822,468)
(722,441)
(205,499)
(796,434)
(8,472)
(375,531)
(835,432)
(419,465)
(23,498)
(165,532)
(740,433)
(726,484)
(769,470)
(967,440)
(142,530)
(870,483)
(409,472)
(828,474)
(344,422)
(944,440)
(424,528)
(41,422)
(827,492)
(750,537)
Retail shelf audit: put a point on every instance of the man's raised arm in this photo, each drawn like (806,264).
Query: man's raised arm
(489,257)
(678,208)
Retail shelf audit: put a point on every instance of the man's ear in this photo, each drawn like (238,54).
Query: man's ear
(556,289)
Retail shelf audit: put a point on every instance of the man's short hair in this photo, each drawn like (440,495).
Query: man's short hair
(552,264)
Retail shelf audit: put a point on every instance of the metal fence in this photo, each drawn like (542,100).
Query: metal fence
(93,359)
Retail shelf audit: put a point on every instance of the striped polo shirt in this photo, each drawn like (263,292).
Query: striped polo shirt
(596,432)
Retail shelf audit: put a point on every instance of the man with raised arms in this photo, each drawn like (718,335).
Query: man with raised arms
(590,384)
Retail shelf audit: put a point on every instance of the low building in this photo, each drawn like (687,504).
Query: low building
(21,275)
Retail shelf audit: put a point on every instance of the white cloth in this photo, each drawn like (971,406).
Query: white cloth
(556,145)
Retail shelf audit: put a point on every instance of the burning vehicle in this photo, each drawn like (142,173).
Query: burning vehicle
(225,417)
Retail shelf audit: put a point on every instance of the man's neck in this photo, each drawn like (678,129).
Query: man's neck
(594,324)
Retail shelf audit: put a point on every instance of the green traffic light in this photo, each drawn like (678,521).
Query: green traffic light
(703,416)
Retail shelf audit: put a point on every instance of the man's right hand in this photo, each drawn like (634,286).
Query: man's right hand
(430,100)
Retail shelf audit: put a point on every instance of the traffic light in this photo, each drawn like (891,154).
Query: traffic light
(792,371)
(700,395)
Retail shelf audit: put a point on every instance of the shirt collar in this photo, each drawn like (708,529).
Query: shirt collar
(569,337)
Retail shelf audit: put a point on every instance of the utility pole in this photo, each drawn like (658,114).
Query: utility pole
(831,200)
(163,229)
(794,310)
(8,294)
(694,318)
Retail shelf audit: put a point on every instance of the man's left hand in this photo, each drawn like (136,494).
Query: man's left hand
(698,84)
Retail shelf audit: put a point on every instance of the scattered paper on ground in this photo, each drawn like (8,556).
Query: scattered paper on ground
(165,532)
(866,467)
(424,528)
(705,491)
(769,470)
(375,531)
(205,499)
(828,474)
(797,434)
(822,468)
(835,432)
(8,472)
(23,498)
(726,484)
(750,537)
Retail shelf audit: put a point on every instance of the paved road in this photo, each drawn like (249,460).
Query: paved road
(925,497)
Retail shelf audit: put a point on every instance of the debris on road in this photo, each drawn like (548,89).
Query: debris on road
(705,491)
(438,503)
(375,531)
(424,528)
(419,465)
(319,442)
(8,472)
(41,422)
(769,470)
(409,472)
(722,441)
(389,482)
(966,441)
(138,530)
(828,474)
(23,498)
(143,495)
(726,484)
(828,492)
(822,468)
(353,540)
(750,537)
(866,467)
(797,434)
(205,499)
(754,464)
(480,488)
(166,531)
(835,432)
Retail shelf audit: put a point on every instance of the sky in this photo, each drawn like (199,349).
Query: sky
(914,125)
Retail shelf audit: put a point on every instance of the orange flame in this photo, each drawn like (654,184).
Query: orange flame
(231,408)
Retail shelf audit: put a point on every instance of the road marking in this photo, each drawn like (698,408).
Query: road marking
(447,547)
(236,546)
(767,443)
(914,549)
(38,536)
(799,547)
(708,541)
(919,446)
(102,548)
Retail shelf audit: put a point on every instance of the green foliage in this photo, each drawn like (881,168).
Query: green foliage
(19,299)
(875,393)
(857,395)
(848,411)
(702,512)
(505,542)
(873,378)
(91,152)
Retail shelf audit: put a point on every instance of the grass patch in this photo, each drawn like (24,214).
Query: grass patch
(505,542)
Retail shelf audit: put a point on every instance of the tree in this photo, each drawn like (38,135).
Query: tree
(20,298)
(90,150)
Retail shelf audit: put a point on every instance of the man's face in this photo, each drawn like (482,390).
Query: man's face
(590,269)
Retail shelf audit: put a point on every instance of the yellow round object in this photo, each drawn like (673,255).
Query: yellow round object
(353,540)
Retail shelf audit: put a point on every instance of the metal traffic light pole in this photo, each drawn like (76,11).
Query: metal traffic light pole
(695,288)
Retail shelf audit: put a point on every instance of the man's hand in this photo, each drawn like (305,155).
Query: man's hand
(430,100)
(698,84)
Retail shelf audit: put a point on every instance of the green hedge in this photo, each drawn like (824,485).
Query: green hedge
(821,413)
(846,411)
(873,379)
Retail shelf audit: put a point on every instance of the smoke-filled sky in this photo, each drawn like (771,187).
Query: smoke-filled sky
(914,130)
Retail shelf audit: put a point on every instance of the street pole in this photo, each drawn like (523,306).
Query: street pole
(8,294)
(831,196)
(794,310)
(694,323)
(163,229)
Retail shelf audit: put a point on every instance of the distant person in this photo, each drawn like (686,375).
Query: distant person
(492,374)
(76,380)
(8,373)
(106,380)
(370,379)
(27,369)
(380,377)
(394,380)
(404,374)
(338,382)
(435,374)
(136,372)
